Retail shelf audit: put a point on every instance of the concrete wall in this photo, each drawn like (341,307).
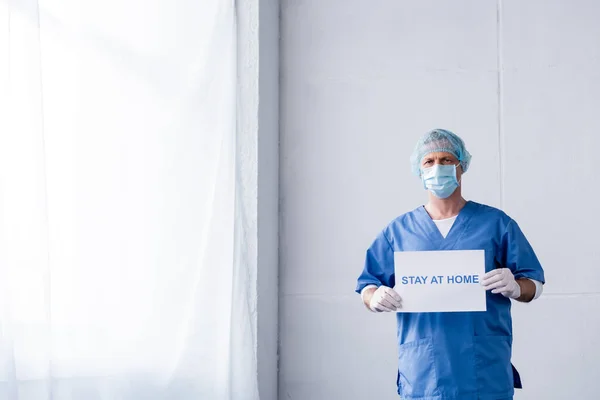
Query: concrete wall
(360,80)
(268,197)
(258,173)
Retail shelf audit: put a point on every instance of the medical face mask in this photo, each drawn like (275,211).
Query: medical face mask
(440,180)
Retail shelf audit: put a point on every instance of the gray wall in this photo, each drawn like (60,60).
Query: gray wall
(258,174)
(268,196)
(360,81)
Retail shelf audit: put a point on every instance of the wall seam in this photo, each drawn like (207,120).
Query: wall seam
(500,60)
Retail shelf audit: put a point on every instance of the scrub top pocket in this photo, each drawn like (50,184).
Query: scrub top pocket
(417,375)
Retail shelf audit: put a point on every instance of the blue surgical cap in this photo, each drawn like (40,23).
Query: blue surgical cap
(439,140)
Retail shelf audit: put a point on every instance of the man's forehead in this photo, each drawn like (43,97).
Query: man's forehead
(439,154)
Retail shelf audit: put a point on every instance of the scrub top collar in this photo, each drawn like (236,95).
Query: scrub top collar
(458,228)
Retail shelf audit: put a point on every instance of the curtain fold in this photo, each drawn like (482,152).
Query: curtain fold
(123,271)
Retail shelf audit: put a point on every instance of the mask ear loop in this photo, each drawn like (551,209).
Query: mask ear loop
(455,172)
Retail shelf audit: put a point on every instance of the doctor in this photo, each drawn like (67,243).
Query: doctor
(453,356)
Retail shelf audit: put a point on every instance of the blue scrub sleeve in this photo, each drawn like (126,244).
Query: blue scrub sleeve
(518,255)
(379,264)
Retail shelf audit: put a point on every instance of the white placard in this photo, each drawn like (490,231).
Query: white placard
(440,281)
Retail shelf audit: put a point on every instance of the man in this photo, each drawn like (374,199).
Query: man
(461,355)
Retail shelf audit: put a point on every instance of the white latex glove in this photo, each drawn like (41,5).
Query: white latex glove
(502,281)
(385,299)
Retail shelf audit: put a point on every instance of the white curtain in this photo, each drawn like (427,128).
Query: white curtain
(122,270)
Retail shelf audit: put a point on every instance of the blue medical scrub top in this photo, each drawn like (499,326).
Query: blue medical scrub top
(464,355)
